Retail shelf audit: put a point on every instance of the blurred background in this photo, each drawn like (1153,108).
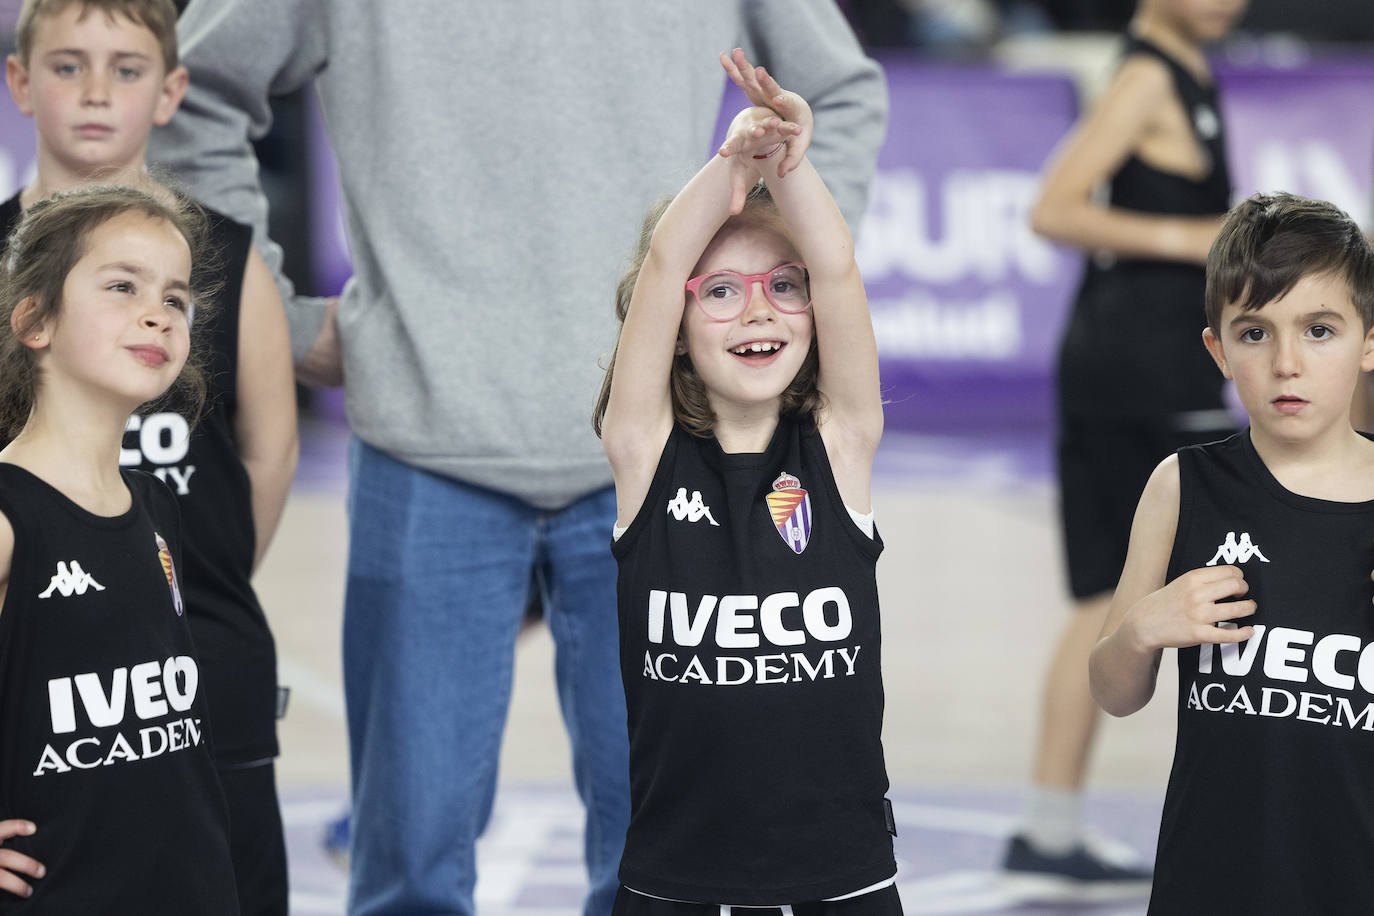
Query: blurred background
(968,306)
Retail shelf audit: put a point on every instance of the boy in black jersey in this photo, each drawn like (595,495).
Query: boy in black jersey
(1252,557)
(96,76)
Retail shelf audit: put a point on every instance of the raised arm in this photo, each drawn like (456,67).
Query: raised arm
(639,415)
(810,48)
(1091,153)
(241,53)
(265,422)
(851,421)
(1148,616)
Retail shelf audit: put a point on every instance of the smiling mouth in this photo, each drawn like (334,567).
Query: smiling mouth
(758,349)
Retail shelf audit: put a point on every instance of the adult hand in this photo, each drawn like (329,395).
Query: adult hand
(322,366)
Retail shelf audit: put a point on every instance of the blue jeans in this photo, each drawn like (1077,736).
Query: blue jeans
(438,577)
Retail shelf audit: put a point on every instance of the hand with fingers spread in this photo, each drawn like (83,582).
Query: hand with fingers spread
(794,114)
(1187,610)
(13,864)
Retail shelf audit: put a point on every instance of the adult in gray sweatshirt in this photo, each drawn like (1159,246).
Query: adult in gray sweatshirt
(496,159)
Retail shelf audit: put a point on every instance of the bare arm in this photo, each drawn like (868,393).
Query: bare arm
(265,424)
(639,414)
(1091,153)
(1148,616)
(810,48)
(851,422)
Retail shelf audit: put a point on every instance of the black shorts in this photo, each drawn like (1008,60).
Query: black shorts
(256,842)
(883,902)
(1102,472)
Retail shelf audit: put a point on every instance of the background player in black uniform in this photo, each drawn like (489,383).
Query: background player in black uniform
(1270,799)
(746,364)
(1133,383)
(104,736)
(96,75)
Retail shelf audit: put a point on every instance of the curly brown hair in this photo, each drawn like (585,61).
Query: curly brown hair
(691,406)
(48,242)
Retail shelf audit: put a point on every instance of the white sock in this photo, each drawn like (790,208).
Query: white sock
(1052,820)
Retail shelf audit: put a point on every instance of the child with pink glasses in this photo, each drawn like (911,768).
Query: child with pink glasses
(740,415)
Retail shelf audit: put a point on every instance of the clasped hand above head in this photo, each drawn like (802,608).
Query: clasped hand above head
(779,122)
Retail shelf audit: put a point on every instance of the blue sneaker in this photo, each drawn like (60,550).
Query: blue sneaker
(335,840)
(1082,875)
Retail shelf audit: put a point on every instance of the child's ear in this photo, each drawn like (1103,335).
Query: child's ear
(1367,358)
(17,78)
(680,347)
(31,334)
(1213,345)
(173,91)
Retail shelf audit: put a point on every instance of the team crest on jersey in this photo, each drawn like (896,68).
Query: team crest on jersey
(790,508)
(170,571)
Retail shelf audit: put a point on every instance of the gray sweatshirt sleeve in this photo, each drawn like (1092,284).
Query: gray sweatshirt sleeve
(240,53)
(809,47)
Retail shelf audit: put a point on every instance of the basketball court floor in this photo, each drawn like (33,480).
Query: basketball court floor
(972,599)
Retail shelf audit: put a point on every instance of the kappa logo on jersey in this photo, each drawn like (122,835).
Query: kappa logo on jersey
(790,507)
(1232,552)
(692,510)
(170,571)
(70,580)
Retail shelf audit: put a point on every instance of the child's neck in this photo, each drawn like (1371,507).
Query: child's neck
(1338,466)
(745,431)
(1169,38)
(54,178)
(77,453)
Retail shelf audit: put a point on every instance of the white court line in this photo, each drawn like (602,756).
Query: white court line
(956,892)
(308,687)
(958,820)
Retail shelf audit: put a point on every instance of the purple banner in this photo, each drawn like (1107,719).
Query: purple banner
(1310,132)
(967,302)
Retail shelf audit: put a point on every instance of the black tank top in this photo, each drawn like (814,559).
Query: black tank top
(1270,805)
(237,652)
(104,738)
(1133,346)
(750,654)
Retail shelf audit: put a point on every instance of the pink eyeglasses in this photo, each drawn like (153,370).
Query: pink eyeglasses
(725,294)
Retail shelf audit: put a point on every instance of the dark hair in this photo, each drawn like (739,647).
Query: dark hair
(49,240)
(157,16)
(1271,241)
(691,406)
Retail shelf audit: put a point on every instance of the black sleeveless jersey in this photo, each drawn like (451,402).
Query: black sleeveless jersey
(1270,806)
(1133,345)
(104,739)
(750,653)
(237,652)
